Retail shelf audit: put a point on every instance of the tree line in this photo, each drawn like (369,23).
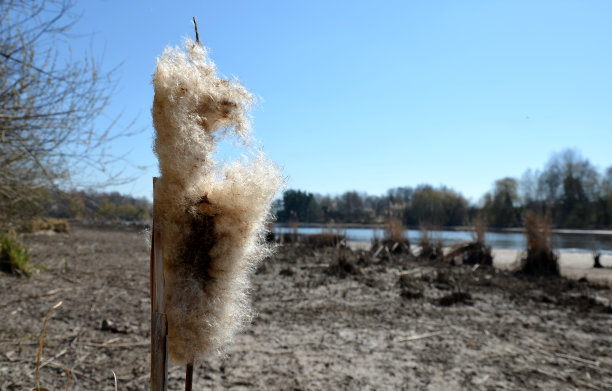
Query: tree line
(48,109)
(96,206)
(421,205)
(569,190)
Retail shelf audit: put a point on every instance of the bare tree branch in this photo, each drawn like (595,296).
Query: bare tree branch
(47,110)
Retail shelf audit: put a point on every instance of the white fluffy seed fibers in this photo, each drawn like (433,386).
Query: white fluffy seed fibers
(212,217)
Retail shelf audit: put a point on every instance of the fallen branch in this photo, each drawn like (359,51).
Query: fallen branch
(49,360)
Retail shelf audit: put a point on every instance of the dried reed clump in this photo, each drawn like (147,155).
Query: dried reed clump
(540,259)
(475,252)
(341,266)
(430,249)
(212,216)
(478,253)
(478,231)
(395,238)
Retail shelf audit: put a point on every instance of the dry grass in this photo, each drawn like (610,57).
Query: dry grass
(394,231)
(395,238)
(430,249)
(340,265)
(39,354)
(539,259)
(479,228)
(475,252)
(45,224)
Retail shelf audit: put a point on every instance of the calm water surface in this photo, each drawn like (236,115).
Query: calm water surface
(499,240)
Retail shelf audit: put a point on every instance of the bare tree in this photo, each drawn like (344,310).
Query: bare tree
(48,104)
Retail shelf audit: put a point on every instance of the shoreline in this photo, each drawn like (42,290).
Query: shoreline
(573,265)
(509,259)
(461,228)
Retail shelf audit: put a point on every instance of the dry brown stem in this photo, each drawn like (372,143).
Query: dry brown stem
(40,347)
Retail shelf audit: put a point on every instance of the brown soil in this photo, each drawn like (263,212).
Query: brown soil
(357,325)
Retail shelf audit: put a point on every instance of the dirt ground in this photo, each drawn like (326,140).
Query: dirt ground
(393,324)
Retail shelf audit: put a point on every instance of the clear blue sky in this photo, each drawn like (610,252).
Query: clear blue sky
(372,95)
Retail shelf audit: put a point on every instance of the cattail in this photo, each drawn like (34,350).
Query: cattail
(212,216)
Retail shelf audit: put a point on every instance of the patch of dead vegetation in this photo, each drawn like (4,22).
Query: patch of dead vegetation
(539,258)
(382,328)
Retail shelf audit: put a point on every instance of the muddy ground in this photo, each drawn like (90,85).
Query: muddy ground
(392,324)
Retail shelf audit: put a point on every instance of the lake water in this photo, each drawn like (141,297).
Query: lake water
(571,242)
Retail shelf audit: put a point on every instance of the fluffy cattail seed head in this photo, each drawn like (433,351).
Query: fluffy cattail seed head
(212,217)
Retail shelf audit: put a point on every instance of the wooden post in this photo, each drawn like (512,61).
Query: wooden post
(189,376)
(159,324)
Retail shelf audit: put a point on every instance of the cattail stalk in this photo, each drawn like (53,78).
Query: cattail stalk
(159,326)
(212,217)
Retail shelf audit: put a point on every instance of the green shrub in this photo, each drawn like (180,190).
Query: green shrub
(14,257)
